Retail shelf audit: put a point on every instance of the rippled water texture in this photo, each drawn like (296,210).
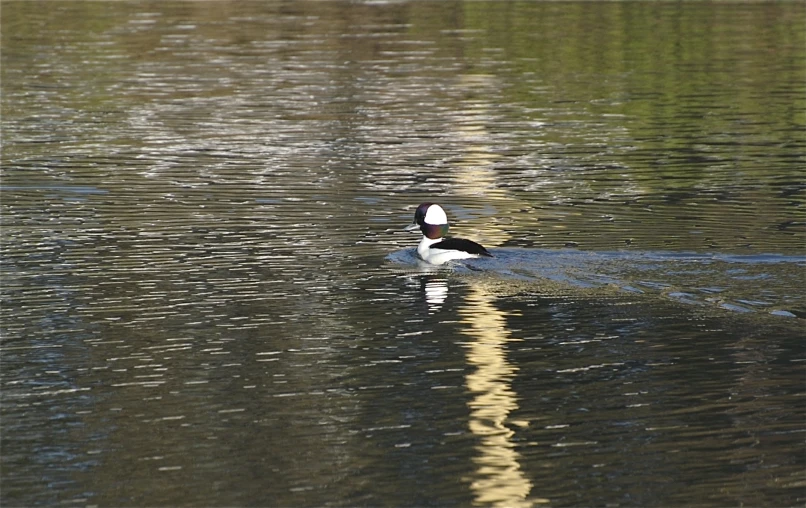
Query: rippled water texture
(208,298)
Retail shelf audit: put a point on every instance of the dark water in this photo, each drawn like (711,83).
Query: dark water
(207,298)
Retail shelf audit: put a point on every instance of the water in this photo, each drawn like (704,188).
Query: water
(208,298)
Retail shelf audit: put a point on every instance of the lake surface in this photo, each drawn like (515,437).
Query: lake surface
(208,298)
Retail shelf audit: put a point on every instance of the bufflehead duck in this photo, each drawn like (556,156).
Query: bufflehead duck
(430,218)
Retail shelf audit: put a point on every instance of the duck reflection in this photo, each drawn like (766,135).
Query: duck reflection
(433,286)
(436,291)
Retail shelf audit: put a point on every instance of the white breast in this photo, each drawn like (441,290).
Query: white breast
(439,256)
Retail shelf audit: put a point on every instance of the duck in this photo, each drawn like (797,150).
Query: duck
(435,248)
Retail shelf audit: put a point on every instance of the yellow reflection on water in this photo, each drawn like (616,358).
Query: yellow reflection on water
(499,480)
(475,172)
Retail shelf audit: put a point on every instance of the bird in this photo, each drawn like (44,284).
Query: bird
(434,248)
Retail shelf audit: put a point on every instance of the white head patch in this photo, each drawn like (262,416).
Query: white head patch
(435,215)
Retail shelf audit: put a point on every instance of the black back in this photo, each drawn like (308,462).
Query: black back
(462,244)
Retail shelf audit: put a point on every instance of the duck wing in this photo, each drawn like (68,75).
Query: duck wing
(463,245)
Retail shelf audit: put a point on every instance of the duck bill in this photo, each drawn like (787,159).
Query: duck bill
(412,227)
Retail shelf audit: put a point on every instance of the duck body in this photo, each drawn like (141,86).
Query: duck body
(435,248)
